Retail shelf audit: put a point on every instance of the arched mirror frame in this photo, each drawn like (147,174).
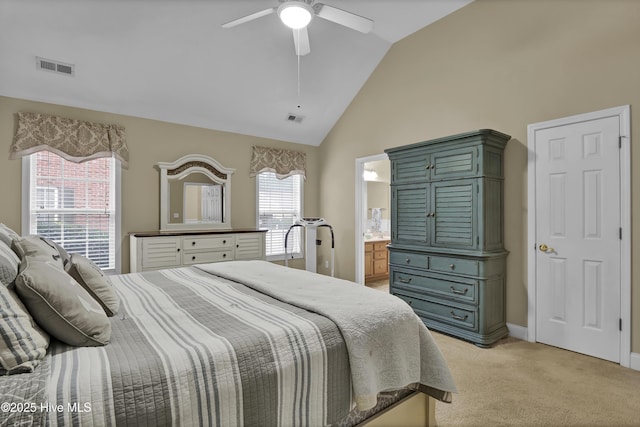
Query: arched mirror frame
(181,168)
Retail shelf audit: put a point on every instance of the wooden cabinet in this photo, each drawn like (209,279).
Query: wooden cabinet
(447,257)
(152,251)
(376,261)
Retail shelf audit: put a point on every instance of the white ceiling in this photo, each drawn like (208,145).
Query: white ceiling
(170,60)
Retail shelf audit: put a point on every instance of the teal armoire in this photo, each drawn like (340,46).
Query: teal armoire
(447,258)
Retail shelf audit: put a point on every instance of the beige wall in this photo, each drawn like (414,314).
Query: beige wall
(151,142)
(493,64)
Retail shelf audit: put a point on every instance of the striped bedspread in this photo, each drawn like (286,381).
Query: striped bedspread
(189,348)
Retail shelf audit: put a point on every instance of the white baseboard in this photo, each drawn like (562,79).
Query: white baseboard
(634,361)
(518,331)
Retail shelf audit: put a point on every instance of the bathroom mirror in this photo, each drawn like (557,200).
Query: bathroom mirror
(195,194)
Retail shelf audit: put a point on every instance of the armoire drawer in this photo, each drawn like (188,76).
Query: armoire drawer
(454,265)
(203,257)
(465,291)
(442,312)
(409,259)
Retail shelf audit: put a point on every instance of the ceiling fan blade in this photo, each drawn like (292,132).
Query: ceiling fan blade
(301,41)
(249,18)
(342,17)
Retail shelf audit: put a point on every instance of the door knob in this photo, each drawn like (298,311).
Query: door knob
(545,248)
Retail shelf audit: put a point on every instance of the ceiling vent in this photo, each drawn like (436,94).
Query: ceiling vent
(55,66)
(294,118)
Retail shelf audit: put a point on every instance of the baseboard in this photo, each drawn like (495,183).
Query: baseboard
(634,361)
(517,331)
(520,332)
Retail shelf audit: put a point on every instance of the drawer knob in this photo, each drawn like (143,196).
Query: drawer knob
(455,316)
(459,292)
(193,243)
(178,249)
(407,260)
(224,242)
(238,245)
(452,266)
(224,255)
(193,258)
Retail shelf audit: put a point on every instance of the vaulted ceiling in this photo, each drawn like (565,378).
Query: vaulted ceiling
(171,60)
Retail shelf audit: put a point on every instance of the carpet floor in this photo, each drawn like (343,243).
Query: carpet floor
(518,383)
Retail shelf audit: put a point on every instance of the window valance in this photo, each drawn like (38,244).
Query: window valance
(74,140)
(282,162)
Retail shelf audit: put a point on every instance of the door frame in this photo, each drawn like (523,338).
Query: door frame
(361,212)
(623,113)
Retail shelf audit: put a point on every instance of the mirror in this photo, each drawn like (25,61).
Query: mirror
(195,194)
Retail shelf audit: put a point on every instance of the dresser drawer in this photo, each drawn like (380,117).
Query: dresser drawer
(454,265)
(442,312)
(203,257)
(204,243)
(465,291)
(409,259)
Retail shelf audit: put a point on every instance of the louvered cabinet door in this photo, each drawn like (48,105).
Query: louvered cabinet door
(409,209)
(454,218)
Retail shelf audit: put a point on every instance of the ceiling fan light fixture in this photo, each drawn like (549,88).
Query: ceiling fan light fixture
(295,14)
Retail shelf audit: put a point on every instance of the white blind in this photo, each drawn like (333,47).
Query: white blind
(279,205)
(74,205)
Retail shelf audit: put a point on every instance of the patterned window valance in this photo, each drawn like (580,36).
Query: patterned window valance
(283,162)
(75,140)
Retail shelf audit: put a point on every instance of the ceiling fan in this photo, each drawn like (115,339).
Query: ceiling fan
(296,14)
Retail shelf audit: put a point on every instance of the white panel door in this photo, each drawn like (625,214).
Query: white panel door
(577,237)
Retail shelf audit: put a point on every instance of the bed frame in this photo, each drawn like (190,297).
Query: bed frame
(415,410)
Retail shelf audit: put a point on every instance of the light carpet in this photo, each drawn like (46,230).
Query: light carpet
(518,383)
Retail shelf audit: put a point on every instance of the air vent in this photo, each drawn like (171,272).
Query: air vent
(55,66)
(294,118)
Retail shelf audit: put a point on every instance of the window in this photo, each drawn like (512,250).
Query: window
(74,204)
(279,205)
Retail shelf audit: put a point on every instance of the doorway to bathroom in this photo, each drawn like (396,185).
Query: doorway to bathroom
(373,221)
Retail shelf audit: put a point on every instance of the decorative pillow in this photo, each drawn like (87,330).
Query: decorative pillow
(23,343)
(7,235)
(9,264)
(94,281)
(36,247)
(60,305)
(64,255)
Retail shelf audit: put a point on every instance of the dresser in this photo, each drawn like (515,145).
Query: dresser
(152,251)
(376,260)
(447,257)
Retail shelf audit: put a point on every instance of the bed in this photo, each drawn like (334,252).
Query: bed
(237,343)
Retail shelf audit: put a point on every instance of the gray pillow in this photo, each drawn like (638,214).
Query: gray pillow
(7,234)
(36,247)
(60,305)
(9,264)
(23,343)
(94,281)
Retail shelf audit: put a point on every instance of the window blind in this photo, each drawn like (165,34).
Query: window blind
(279,206)
(73,204)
